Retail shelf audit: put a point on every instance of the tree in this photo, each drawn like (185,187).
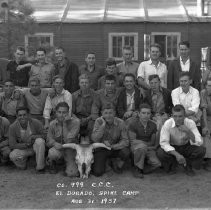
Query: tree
(16,21)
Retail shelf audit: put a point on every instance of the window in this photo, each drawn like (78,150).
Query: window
(118,40)
(169,43)
(32,42)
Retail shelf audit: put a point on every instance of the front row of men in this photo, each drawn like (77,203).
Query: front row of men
(180,141)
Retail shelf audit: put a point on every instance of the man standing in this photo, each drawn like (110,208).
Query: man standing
(4,142)
(152,66)
(35,98)
(19,69)
(93,71)
(42,70)
(64,129)
(127,66)
(59,95)
(129,98)
(26,139)
(180,142)
(142,136)
(183,63)
(82,104)
(67,70)
(111,131)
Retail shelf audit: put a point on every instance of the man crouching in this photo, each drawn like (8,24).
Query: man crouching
(111,131)
(26,139)
(64,129)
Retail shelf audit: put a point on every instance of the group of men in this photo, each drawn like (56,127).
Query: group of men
(148,113)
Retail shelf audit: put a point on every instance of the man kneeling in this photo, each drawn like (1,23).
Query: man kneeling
(142,135)
(26,139)
(111,131)
(180,142)
(64,129)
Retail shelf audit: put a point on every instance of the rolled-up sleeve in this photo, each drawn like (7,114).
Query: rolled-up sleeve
(48,108)
(165,137)
(68,100)
(195,101)
(141,72)
(97,132)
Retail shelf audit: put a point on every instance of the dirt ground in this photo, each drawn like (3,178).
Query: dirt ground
(26,189)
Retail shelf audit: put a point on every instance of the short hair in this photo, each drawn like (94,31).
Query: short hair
(59,48)
(83,76)
(185,73)
(178,108)
(110,62)
(21,108)
(62,104)
(186,43)
(20,48)
(144,106)
(153,76)
(108,106)
(127,47)
(88,53)
(9,80)
(156,45)
(41,49)
(110,77)
(35,79)
(57,77)
(129,75)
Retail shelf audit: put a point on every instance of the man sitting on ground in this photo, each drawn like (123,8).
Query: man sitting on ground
(26,139)
(180,142)
(129,98)
(64,129)
(111,131)
(4,143)
(142,136)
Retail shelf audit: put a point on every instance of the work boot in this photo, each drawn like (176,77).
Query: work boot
(52,167)
(138,173)
(189,171)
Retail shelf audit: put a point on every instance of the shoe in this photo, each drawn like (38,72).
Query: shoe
(189,171)
(149,170)
(40,171)
(138,173)
(52,168)
(172,169)
(115,168)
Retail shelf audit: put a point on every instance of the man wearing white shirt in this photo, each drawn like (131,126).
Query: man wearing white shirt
(188,97)
(180,142)
(152,66)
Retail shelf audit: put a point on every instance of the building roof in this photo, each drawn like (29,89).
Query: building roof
(95,11)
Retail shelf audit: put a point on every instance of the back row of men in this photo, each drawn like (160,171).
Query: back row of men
(88,106)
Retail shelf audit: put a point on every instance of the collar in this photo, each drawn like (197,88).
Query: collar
(88,93)
(62,93)
(190,90)
(86,68)
(173,122)
(160,91)
(188,61)
(63,63)
(67,119)
(132,95)
(150,63)
(38,64)
(105,92)
(115,122)
(130,63)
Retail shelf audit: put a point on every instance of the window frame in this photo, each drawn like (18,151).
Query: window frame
(26,39)
(178,34)
(110,46)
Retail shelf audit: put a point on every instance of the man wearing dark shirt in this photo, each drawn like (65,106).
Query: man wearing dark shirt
(19,69)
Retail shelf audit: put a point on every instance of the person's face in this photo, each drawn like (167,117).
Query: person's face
(41,56)
(19,55)
(90,59)
(62,113)
(185,82)
(9,88)
(58,85)
(34,87)
(84,84)
(22,117)
(208,87)
(108,115)
(111,69)
(127,55)
(129,83)
(154,84)
(154,53)
(178,117)
(145,114)
(110,85)
(184,51)
(59,54)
